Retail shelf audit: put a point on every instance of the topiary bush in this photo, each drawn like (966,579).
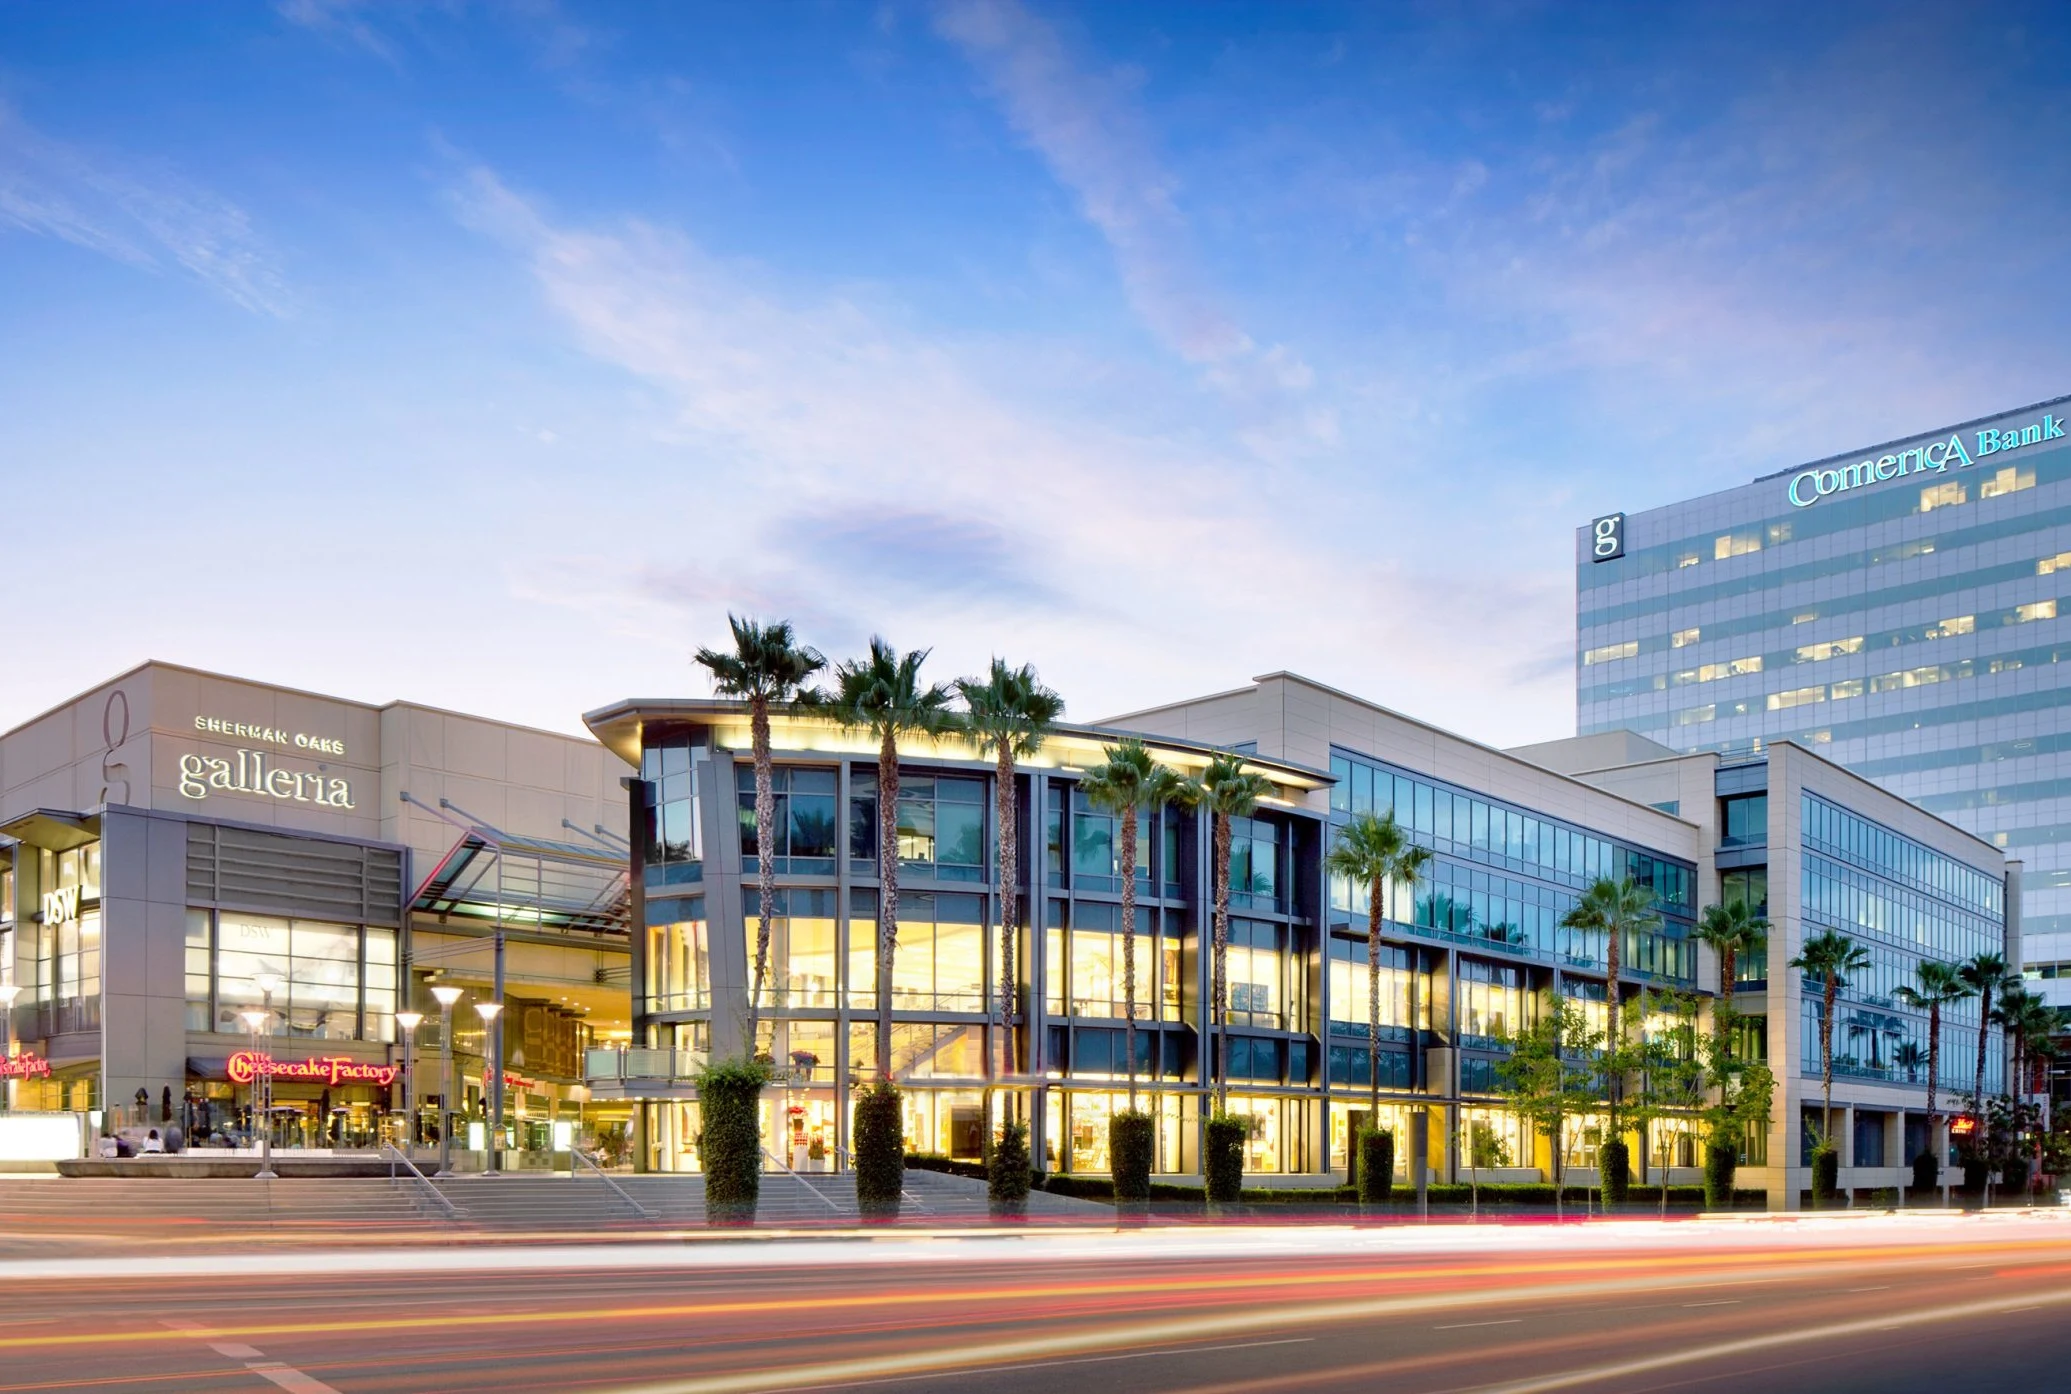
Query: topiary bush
(1374,1166)
(1826,1174)
(1927,1173)
(1131,1144)
(880,1151)
(1721,1161)
(730,1138)
(1223,1167)
(1009,1179)
(1976,1173)
(1614,1165)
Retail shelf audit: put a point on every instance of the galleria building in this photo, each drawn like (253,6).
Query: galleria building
(215,881)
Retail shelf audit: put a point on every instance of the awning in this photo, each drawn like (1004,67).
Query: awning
(495,878)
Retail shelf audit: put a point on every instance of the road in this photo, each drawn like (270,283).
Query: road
(1942,1303)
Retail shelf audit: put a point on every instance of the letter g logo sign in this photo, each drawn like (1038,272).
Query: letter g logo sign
(1607,538)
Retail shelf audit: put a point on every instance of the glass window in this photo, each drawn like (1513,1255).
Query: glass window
(804,821)
(802,958)
(679,966)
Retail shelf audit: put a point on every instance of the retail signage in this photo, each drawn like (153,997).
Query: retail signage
(247,1065)
(27,1065)
(511,1081)
(269,735)
(61,905)
(1810,486)
(1607,538)
(202,775)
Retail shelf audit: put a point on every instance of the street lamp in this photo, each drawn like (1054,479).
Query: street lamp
(409,1022)
(8,992)
(447,994)
(255,1019)
(494,1047)
(269,983)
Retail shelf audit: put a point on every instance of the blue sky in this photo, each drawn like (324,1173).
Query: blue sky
(488,355)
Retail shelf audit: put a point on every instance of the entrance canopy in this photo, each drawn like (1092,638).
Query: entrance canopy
(493,878)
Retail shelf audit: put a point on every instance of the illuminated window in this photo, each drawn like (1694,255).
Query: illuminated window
(1850,688)
(1797,697)
(1805,617)
(1687,559)
(1713,672)
(1942,495)
(1912,677)
(2040,610)
(2010,480)
(2060,562)
(1695,716)
(1779,532)
(1682,638)
(1832,648)
(1611,652)
(1950,628)
(1735,544)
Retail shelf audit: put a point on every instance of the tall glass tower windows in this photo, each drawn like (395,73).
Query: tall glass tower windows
(1744,820)
(670,769)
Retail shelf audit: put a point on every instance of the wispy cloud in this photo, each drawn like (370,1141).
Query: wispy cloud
(141,215)
(1087,128)
(340,21)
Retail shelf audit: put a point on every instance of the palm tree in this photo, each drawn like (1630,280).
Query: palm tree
(1936,986)
(1227,790)
(1984,974)
(765,667)
(1127,784)
(1374,852)
(1831,956)
(1732,929)
(1011,711)
(883,694)
(1910,1056)
(2027,1020)
(1613,909)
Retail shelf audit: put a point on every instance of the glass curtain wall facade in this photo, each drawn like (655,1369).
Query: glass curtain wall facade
(1900,609)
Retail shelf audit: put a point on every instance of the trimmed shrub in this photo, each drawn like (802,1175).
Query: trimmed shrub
(948,1166)
(1058,1183)
(1374,1169)
(1826,1174)
(880,1151)
(1223,1168)
(1975,1174)
(1615,1167)
(1721,1161)
(1008,1185)
(730,1143)
(1131,1143)
(1927,1173)
(2013,1178)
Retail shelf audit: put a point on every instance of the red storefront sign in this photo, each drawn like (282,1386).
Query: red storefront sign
(246,1066)
(24,1066)
(510,1081)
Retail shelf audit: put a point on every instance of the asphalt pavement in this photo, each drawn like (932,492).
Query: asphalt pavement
(1938,1302)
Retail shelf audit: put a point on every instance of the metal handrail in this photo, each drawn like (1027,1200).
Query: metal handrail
(591,1162)
(784,1167)
(395,1155)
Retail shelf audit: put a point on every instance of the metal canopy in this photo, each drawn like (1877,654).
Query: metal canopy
(507,881)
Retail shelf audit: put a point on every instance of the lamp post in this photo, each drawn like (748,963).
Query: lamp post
(409,1022)
(447,994)
(8,992)
(256,1018)
(494,1029)
(269,983)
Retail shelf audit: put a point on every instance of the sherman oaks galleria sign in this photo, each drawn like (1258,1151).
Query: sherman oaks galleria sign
(252,773)
(1810,486)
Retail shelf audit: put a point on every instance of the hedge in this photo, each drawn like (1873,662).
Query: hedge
(1224,1162)
(1131,1144)
(1492,1194)
(1615,1167)
(1376,1169)
(949,1166)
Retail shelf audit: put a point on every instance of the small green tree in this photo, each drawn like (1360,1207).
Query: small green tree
(1485,1151)
(880,1151)
(730,1138)
(1666,1057)
(1739,1093)
(1552,1075)
(1007,1174)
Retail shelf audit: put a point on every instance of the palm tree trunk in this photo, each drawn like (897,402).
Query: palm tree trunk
(1129,944)
(1219,991)
(1373,1001)
(1826,1059)
(1934,1062)
(1009,873)
(765,858)
(1984,1025)
(1614,1095)
(887,893)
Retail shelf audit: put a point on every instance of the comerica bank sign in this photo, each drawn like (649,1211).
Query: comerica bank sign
(1810,486)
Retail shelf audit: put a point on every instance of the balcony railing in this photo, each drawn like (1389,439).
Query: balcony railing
(640,1063)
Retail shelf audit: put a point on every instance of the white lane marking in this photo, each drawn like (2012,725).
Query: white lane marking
(289,1378)
(235,1350)
(1463,1325)
(1720,1302)
(1880,1287)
